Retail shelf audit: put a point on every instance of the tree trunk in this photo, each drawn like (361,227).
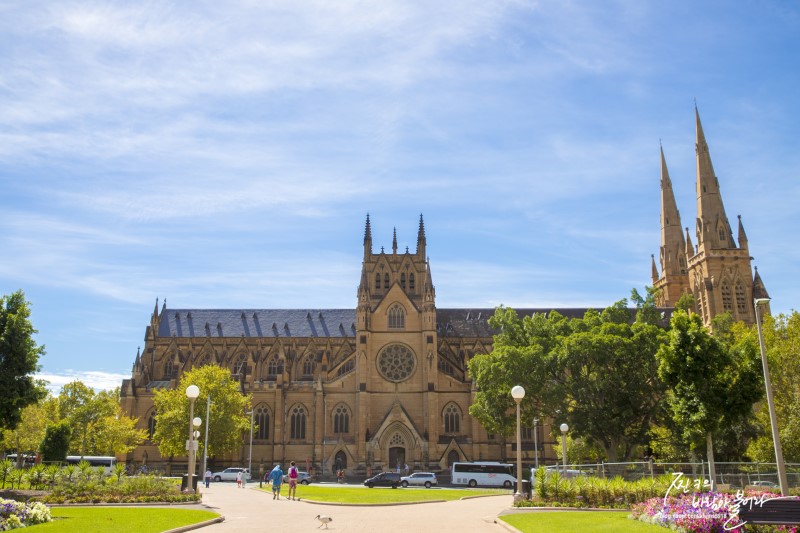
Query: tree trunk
(712,471)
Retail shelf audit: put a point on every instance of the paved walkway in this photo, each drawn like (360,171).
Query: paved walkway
(254,510)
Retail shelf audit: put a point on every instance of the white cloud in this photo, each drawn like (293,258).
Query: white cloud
(95,380)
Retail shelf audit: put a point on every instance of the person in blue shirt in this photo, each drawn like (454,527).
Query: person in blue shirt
(276,478)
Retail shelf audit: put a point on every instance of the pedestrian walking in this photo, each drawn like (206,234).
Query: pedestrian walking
(292,481)
(276,478)
(239,479)
(207,477)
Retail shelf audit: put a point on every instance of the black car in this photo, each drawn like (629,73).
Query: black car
(384,479)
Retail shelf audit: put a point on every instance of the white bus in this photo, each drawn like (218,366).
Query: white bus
(106,462)
(484,473)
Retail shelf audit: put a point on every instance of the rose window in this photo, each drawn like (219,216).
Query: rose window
(396,362)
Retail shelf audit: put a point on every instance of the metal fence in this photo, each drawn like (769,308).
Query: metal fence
(736,475)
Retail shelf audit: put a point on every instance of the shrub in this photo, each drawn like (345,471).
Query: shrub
(15,514)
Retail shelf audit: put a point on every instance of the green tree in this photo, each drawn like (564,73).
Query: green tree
(709,385)
(228,419)
(29,433)
(99,426)
(564,365)
(55,445)
(608,374)
(782,341)
(19,359)
(82,407)
(520,356)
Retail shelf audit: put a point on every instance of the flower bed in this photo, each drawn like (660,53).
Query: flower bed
(15,514)
(708,512)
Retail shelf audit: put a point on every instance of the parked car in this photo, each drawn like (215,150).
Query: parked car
(384,479)
(420,479)
(304,478)
(229,474)
(765,484)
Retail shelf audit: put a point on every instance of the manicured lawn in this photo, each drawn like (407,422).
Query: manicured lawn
(120,519)
(380,495)
(578,522)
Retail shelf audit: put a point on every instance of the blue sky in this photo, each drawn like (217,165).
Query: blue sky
(225,154)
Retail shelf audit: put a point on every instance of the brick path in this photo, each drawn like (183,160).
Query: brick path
(254,510)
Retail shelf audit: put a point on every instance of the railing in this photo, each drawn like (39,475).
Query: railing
(736,475)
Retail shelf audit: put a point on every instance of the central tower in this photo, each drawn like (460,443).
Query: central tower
(397,356)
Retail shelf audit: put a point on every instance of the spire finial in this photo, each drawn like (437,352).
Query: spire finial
(367,238)
(394,240)
(421,241)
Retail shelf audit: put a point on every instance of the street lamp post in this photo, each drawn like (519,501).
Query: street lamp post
(564,429)
(536,442)
(250,454)
(518,393)
(205,444)
(192,392)
(758,303)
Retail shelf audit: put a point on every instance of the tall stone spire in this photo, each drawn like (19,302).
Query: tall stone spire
(673,245)
(674,279)
(713,228)
(394,240)
(421,241)
(367,238)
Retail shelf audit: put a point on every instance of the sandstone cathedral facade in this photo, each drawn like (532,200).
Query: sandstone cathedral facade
(386,383)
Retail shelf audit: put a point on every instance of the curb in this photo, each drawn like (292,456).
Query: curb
(198,525)
(340,504)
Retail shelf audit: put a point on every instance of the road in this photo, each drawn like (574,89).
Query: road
(253,510)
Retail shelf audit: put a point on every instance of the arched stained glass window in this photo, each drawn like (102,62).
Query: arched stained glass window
(452,419)
(151,425)
(341,419)
(386,281)
(308,367)
(298,423)
(170,370)
(262,421)
(397,317)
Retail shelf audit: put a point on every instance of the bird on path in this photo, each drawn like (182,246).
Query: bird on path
(324,520)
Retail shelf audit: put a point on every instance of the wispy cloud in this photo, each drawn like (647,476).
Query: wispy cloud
(95,380)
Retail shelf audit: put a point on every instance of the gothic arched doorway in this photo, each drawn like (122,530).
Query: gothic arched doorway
(397,452)
(339,461)
(452,457)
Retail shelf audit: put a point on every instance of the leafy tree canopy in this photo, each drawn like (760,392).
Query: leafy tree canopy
(19,359)
(782,341)
(228,418)
(709,384)
(99,426)
(598,373)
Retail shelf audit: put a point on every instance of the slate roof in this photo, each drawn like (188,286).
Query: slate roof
(258,323)
(323,322)
(473,322)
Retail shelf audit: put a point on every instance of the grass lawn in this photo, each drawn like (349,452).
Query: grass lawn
(578,522)
(381,495)
(120,519)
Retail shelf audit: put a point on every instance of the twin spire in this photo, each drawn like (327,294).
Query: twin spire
(421,240)
(713,231)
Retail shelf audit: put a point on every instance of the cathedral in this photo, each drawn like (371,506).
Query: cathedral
(386,384)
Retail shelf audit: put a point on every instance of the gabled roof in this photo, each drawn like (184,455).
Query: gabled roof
(258,323)
(326,323)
